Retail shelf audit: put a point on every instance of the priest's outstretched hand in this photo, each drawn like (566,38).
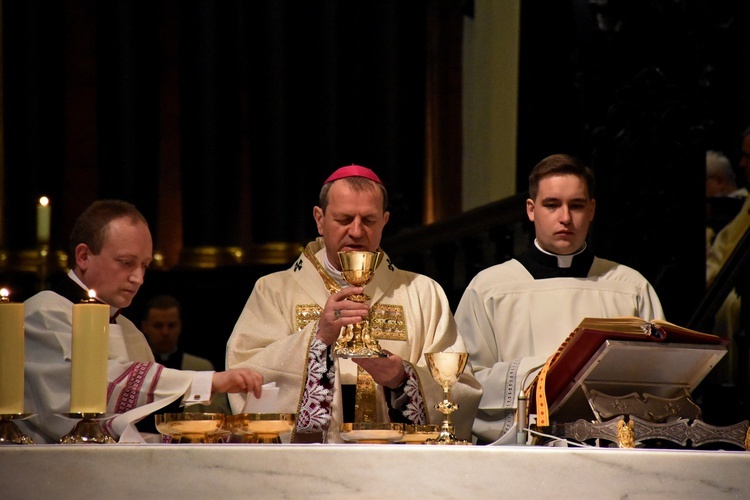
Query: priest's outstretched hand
(237,380)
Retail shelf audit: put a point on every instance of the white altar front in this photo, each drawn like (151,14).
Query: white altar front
(228,471)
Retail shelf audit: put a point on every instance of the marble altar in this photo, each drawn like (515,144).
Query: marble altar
(366,471)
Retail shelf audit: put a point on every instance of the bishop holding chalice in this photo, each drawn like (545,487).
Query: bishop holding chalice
(343,330)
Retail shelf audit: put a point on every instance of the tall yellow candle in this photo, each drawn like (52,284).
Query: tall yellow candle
(11,355)
(43,218)
(88,382)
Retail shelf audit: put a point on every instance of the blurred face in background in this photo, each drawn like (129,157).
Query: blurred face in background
(162,328)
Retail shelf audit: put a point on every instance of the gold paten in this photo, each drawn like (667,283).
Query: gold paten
(446,367)
(191,427)
(263,428)
(355,341)
(371,432)
(419,434)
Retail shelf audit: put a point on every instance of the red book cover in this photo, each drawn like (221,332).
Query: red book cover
(589,336)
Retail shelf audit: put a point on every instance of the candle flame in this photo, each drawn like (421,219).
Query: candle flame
(4,293)
(44,201)
(92,294)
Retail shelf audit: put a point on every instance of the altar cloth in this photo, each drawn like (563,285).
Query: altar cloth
(367,471)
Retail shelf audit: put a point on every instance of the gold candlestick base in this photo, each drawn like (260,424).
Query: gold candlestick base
(9,431)
(87,430)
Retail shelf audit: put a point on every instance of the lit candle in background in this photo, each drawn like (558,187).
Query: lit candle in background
(43,214)
(88,382)
(11,355)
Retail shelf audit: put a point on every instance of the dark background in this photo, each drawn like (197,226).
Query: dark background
(253,104)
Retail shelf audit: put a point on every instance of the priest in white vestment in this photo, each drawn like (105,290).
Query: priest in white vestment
(513,316)
(292,318)
(111,250)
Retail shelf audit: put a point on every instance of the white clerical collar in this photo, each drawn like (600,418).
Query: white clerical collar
(563,261)
(335,273)
(113,311)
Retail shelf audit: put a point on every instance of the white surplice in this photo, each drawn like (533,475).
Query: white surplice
(512,323)
(137,386)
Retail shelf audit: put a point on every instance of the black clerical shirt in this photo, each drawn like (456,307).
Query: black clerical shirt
(542,265)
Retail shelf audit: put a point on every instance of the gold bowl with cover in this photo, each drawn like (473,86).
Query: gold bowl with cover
(191,427)
(264,428)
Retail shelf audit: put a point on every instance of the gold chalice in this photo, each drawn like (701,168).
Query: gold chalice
(446,367)
(358,269)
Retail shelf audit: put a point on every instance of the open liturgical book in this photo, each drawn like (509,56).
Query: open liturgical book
(563,367)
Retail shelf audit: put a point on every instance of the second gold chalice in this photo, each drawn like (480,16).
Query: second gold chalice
(446,367)
(355,341)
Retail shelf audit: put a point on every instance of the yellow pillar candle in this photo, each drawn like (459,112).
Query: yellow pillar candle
(88,382)
(11,355)
(43,217)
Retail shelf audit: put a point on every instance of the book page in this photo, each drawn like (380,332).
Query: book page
(622,324)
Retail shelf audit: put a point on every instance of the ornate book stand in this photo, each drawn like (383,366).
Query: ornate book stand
(631,392)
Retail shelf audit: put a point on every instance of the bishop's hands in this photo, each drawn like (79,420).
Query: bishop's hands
(237,380)
(388,371)
(339,312)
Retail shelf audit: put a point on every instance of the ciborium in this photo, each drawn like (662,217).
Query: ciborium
(355,341)
(191,427)
(446,367)
(263,428)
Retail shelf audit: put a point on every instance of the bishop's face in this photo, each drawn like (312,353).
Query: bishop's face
(353,220)
(562,213)
(117,271)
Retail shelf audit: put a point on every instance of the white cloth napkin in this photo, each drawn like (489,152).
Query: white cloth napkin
(267,402)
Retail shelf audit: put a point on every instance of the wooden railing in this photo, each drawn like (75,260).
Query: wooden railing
(454,250)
